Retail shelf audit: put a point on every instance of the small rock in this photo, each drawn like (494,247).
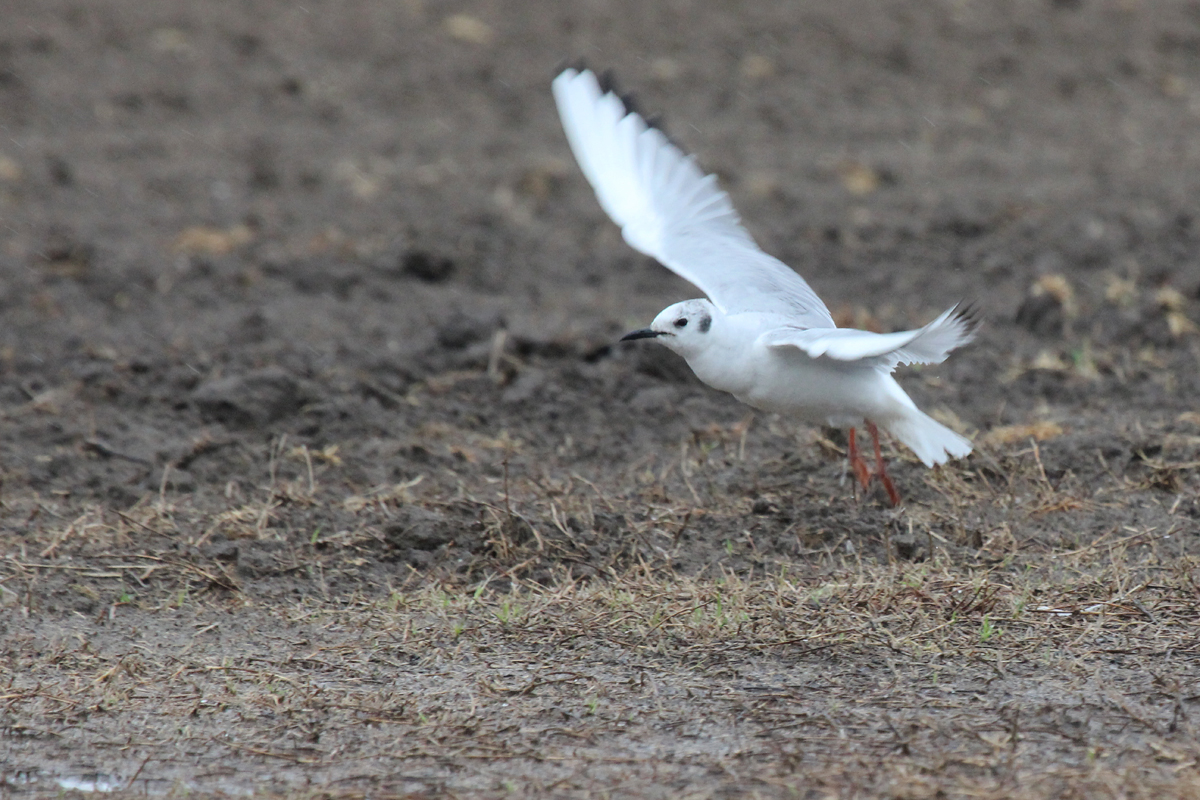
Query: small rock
(419,560)
(324,276)
(762,506)
(461,330)
(10,171)
(858,178)
(253,399)
(466,28)
(1042,314)
(257,558)
(1050,304)
(666,69)
(222,551)
(66,256)
(542,181)
(610,525)
(60,171)
(427,267)
(907,547)
(419,529)
(655,398)
(527,385)
(755,67)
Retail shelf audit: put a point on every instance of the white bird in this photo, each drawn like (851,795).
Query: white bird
(762,335)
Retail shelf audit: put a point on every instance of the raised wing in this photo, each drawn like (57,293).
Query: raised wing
(669,209)
(928,345)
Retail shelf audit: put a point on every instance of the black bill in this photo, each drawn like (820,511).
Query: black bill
(644,333)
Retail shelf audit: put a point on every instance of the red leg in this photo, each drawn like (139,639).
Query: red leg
(857,465)
(881,468)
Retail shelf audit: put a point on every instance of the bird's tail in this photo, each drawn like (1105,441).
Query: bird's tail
(932,343)
(932,441)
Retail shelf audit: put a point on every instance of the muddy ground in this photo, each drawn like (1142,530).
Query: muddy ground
(322,473)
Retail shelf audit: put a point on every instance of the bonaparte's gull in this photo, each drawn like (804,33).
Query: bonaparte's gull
(762,335)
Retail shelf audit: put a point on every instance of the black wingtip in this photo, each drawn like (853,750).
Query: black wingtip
(607,81)
(577,64)
(968,312)
(608,85)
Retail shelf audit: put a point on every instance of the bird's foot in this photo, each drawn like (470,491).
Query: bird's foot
(893,495)
(881,467)
(857,465)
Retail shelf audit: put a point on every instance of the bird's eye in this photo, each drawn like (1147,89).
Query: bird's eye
(681,322)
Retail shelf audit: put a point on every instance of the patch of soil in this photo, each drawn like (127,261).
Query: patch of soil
(323,471)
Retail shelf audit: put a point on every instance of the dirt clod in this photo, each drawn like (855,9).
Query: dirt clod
(251,399)
(427,267)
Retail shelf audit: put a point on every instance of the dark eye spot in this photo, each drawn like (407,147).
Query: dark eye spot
(705,323)
(681,322)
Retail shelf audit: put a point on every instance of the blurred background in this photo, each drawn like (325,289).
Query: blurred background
(362,197)
(900,155)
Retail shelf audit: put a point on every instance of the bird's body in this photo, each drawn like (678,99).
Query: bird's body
(764,377)
(762,335)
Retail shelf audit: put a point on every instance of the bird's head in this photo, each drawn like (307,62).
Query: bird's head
(684,327)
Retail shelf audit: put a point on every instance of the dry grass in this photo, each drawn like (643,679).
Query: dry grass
(568,658)
(685,627)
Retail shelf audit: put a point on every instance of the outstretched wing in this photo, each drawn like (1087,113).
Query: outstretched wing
(928,345)
(669,209)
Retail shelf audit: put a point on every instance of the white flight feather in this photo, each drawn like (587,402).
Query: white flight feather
(669,209)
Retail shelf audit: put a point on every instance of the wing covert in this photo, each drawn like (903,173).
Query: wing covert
(930,344)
